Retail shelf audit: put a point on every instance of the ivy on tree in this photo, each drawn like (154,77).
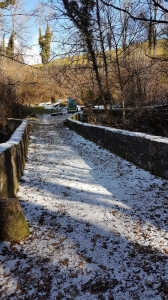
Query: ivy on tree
(44,43)
(6,3)
(10,47)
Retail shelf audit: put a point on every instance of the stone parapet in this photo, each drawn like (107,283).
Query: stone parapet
(12,160)
(146,151)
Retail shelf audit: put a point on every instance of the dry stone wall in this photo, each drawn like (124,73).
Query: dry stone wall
(146,151)
(12,160)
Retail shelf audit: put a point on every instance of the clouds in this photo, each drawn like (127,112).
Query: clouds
(32,52)
(31,55)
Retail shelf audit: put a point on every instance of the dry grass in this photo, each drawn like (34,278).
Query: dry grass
(143,81)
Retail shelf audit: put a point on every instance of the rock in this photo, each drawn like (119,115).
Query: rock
(60,296)
(164,286)
(110,297)
(149,284)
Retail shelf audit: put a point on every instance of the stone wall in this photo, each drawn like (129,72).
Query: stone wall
(146,151)
(12,160)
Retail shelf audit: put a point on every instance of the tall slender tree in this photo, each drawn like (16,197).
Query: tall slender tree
(45,43)
(10,46)
(81,14)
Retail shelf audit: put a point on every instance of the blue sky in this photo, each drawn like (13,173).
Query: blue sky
(30,3)
(28,46)
(34,25)
(29,6)
(33,53)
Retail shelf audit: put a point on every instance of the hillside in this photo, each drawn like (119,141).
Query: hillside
(161,53)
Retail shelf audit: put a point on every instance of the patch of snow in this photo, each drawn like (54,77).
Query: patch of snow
(99,226)
(128,133)
(15,137)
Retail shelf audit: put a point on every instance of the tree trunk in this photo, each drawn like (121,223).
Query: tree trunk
(13,226)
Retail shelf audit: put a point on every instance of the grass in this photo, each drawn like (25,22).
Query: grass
(40,110)
(161,52)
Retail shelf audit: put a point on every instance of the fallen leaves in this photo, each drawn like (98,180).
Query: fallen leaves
(62,240)
(64,262)
(81,264)
(99,285)
(121,246)
(102,267)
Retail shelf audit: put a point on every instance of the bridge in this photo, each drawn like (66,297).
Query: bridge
(99,226)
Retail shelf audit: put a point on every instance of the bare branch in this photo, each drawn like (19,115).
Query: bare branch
(139,18)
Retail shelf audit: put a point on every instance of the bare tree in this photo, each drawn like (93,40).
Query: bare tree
(141,17)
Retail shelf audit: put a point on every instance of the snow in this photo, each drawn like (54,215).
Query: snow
(159,139)
(99,225)
(15,137)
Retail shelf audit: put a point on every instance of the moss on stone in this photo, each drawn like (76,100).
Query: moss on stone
(13,226)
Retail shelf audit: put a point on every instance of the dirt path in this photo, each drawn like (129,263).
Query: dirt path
(99,225)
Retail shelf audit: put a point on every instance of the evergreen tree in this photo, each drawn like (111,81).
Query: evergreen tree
(10,47)
(44,42)
(2,45)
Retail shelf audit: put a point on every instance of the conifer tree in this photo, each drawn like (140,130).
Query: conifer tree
(2,45)
(45,42)
(10,47)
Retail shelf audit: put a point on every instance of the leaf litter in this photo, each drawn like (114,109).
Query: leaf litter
(99,225)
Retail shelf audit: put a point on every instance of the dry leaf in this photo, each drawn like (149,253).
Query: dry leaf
(63,239)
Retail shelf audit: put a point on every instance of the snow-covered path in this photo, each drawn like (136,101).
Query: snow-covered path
(99,225)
